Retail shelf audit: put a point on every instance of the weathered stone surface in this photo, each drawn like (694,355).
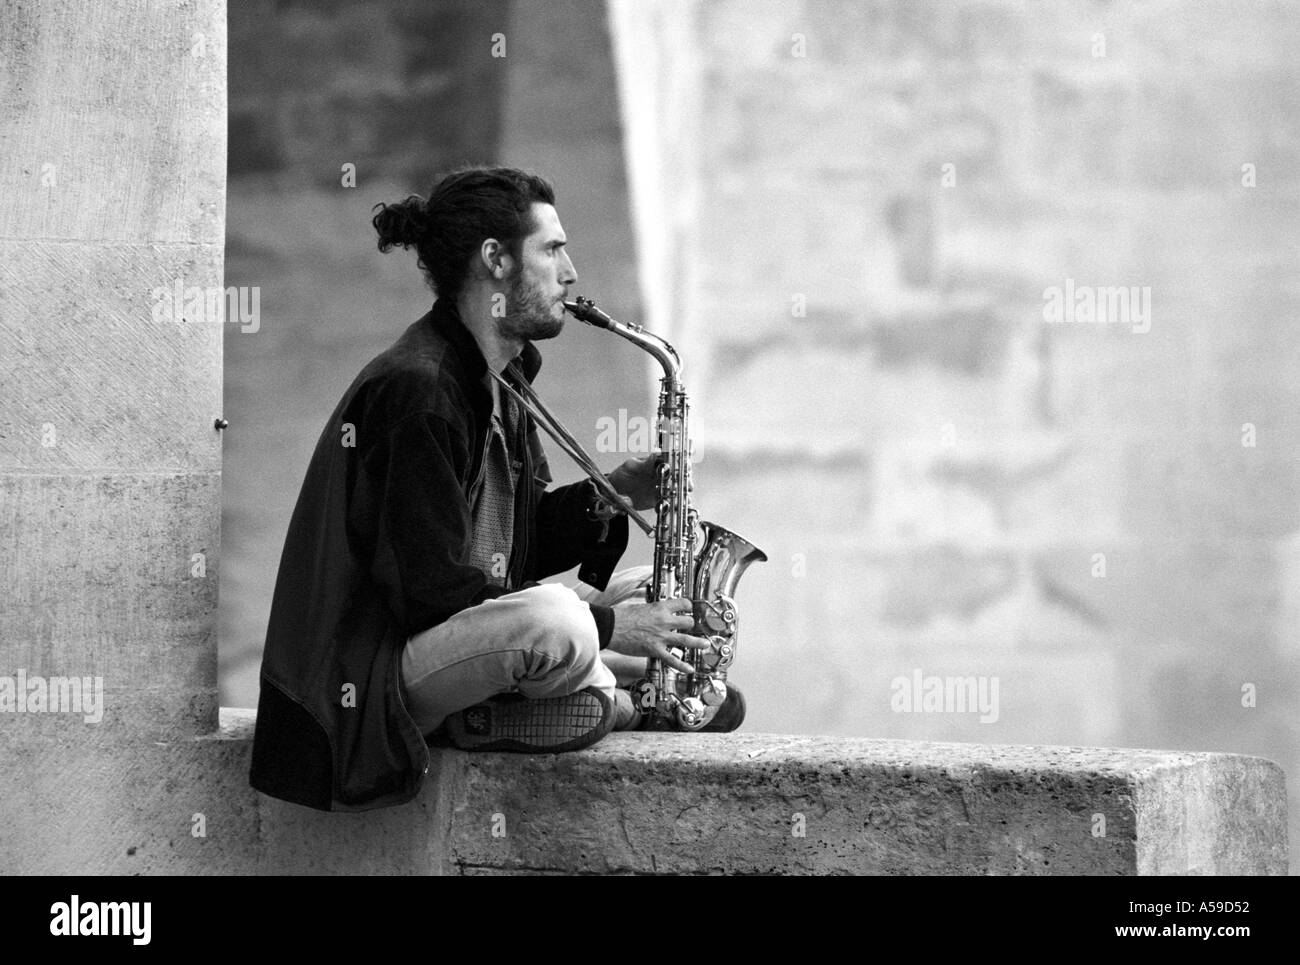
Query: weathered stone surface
(1234,804)
(107,806)
(114,123)
(712,803)
(113,576)
(103,805)
(94,379)
(112,170)
(645,804)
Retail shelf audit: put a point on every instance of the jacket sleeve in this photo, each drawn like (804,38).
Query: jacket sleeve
(410,485)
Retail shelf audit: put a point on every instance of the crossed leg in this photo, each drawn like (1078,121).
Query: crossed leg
(540,642)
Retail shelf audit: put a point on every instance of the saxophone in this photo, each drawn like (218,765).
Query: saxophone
(693,559)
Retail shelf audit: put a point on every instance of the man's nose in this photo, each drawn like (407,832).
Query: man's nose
(568,274)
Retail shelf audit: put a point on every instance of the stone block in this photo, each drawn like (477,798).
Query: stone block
(754,804)
(655,804)
(102,805)
(98,373)
(101,578)
(114,122)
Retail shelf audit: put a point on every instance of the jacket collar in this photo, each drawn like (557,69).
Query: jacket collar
(446,320)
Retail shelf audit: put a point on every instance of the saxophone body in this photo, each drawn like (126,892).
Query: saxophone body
(693,559)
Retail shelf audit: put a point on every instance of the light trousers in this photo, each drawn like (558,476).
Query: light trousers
(539,642)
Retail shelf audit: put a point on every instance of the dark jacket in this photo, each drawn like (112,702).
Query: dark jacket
(376,552)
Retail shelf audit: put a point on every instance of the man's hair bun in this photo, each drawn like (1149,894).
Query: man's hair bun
(403,223)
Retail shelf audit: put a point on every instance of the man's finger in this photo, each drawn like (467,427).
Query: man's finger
(689,640)
(676,607)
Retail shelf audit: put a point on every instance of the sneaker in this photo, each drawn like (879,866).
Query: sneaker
(512,722)
(730,715)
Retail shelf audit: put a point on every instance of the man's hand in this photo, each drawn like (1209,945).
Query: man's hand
(637,480)
(649,629)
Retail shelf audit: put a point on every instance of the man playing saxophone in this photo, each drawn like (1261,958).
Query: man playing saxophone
(406,604)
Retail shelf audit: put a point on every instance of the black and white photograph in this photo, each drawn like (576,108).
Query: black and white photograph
(650,437)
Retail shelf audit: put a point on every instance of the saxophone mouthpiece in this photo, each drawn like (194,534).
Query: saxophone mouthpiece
(585,310)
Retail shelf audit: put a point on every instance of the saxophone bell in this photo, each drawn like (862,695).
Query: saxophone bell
(721,562)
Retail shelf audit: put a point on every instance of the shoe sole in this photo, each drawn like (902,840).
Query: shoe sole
(549,726)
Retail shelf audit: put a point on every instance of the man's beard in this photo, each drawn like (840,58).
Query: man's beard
(529,314)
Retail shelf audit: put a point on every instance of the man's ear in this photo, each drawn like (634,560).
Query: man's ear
(495,259)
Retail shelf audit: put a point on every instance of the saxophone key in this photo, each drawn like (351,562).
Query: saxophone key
(713,693)
(719,654)
(691,713)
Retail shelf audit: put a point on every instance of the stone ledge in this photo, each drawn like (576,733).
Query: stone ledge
(656,803)
(640,803)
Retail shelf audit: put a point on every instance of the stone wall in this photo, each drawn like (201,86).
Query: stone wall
(858,209)
(112,175)
(658,804)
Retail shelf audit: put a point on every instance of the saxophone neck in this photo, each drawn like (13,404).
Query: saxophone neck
(585,310)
